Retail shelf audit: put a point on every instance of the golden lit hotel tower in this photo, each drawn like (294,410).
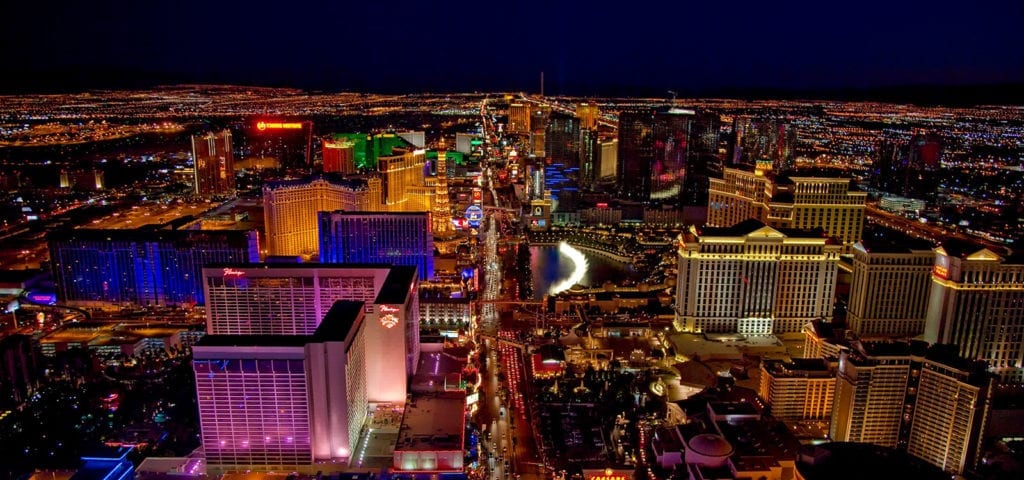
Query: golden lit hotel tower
(891,279)
(588,114)
(519,118)
(290,208)
(927,401)
(977,302)
(798,389)
(214,164)
(755,279)
(833,204)
(399,171)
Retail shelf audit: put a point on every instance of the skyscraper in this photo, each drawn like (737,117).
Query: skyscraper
(339,156)
(400,170)
(290,402)
(769,139)
(561,140)
(214,164)
(261,299)
(977,303)
(635,154)
(912,397)
(889,290)
(667,155)
(907,167)
(441,212)
(588,114)
(755,279)
(519,118)
(290,208)
(398,238)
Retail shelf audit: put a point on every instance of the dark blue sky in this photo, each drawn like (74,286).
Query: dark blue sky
(584,47)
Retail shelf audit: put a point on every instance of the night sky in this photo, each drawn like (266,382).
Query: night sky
(584,47)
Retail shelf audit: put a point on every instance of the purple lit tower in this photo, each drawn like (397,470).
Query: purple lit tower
(284,402)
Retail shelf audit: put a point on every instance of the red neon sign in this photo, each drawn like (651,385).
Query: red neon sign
(261,125)
(387,309)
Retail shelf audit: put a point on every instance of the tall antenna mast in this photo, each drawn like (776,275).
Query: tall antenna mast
(542,83)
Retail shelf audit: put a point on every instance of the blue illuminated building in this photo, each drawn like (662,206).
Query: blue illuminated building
(110,464)
(392,238)
(144,266)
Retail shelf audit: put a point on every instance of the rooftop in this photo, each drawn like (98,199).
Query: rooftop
(434,422)
(398,285)
(878,239)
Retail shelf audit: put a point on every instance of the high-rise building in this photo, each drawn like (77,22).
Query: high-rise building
(290,208)
(539,118)
(399,171)
(977,303)
(891,279)
(907,168)
(800,389)
(261,299)
(378,237)
(214,164)
(588,114)
(608,160)
(755,279)
(286,402)
(833,204)
(144,266)
(667,156)
(518,118)
(561,140)
(768,139)
(635,155)
(908,396)
(339,156)
(588,157)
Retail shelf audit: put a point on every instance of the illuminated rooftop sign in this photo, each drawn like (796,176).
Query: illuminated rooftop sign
(261,126)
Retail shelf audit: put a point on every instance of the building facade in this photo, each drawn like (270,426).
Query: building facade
(755,279)
(519,118)
(891,280)
(339,156)
(977,302)
(906,395)
(801,389)
(290,209)
(142,266)
(375,237)
(247,299)
(832,204)
(214,164)
(588,114)
(292,402)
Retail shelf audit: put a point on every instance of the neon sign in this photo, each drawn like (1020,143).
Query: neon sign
(230,272)
(607,477)
(387,309)
(388,320)
(261,126)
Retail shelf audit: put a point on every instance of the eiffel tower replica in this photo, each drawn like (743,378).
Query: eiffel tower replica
(442,214)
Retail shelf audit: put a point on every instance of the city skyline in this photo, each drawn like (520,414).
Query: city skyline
(693,48)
